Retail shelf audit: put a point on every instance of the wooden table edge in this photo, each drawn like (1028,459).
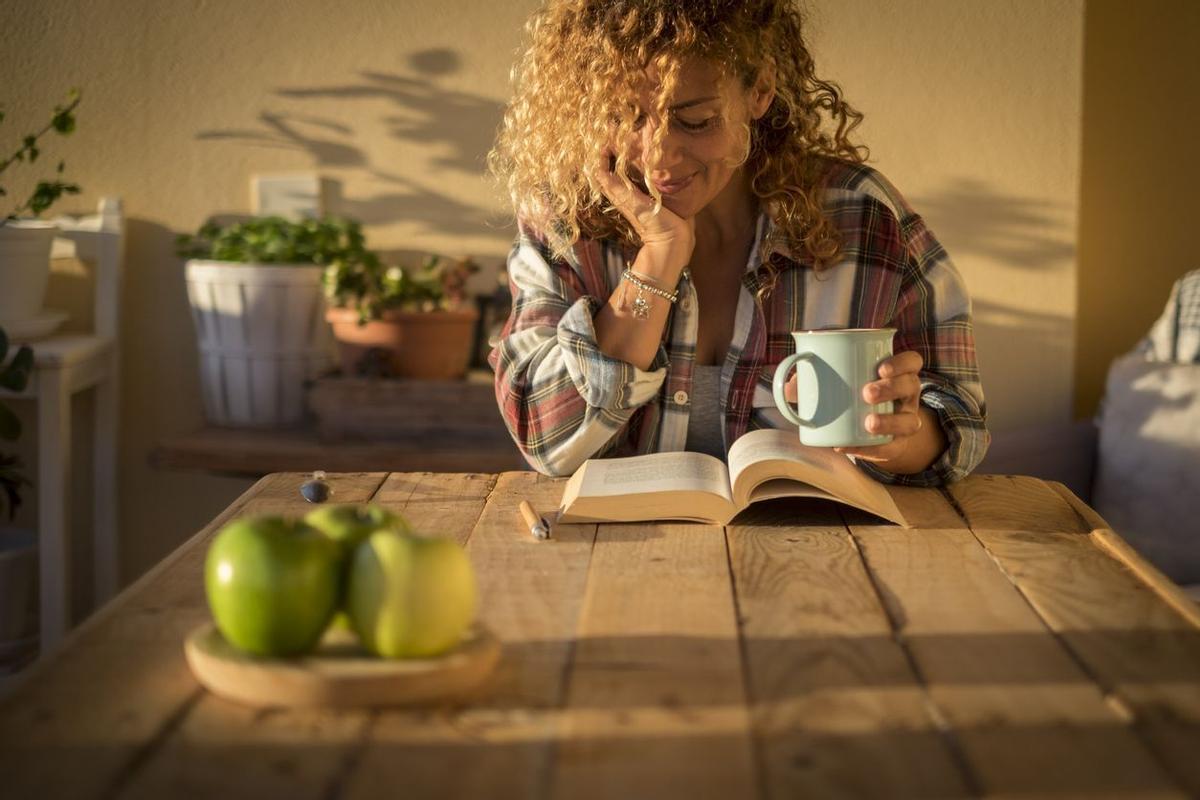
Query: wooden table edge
(113,606)
(1113,544)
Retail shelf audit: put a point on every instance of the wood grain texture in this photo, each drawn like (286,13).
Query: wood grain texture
(1139,649)
(656,704)
(500,744)
(837,709)
(1029,655)
(125,682)
(1027,718)
(1116,546)
(295,753)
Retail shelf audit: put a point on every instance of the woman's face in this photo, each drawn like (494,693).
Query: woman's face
(706,114)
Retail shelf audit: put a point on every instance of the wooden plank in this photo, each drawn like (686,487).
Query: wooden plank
(296,753)
(244,452)
(1137,647)
(656,706)
(1118,548)
(837,708)
(500,744)
(1026,717)
(79,721)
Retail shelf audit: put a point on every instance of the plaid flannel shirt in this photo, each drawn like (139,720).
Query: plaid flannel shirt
(564,401)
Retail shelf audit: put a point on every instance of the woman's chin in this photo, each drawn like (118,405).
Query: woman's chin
(679,206)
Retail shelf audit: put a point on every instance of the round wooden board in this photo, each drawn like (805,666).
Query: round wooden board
(339,674)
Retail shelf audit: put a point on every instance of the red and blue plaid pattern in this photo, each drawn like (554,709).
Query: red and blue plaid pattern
(565,401)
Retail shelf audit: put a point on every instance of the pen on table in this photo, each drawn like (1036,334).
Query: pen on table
(538,525)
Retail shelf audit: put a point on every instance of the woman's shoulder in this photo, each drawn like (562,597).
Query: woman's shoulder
(844,181)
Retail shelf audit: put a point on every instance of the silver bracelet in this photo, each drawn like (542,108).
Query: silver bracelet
(640,305)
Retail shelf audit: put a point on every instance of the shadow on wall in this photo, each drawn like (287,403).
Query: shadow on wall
(160,396)
(1022,232)
(455,128)
(1024,356)
(159,338)
(1025,365)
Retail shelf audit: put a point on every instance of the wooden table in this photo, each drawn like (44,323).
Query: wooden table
(1011,645)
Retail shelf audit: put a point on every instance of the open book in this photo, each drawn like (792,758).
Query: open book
(763,464)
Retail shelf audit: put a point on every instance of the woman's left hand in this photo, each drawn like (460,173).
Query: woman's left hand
(899,380)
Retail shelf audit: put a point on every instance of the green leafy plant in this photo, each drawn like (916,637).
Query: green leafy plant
(437,284)
(46,193)
(440,283)
(14,376)
(274,240)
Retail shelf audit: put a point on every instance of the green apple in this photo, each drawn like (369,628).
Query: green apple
(410,596)
(348,525)
(272,584)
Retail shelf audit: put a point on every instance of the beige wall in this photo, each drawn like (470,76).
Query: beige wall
(396,102)
(1137,227)
(973,110)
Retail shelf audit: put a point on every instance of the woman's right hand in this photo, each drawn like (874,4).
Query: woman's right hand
(669,237)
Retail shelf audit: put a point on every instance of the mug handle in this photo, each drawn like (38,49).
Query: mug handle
(777,384)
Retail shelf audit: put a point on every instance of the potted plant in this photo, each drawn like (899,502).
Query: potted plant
(259,310)
(14,377)
(401,322)
(18,547)
(25,241)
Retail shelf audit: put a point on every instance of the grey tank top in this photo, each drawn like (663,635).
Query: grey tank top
(704,419)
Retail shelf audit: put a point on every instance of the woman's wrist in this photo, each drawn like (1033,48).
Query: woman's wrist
(630,330)
(662,263)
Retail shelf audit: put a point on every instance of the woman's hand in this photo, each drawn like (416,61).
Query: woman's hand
(917,437)
(667,243)
(670,237)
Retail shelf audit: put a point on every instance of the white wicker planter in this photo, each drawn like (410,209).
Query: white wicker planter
(24,267)
(262,333)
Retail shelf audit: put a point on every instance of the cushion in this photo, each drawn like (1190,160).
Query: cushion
(1147,484)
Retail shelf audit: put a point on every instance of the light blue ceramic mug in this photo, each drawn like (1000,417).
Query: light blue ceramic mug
(831,411)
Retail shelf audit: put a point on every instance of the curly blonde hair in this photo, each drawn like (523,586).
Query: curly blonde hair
(576,90)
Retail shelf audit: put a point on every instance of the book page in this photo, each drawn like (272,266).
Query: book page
(786,487)
(765,455)
(766,444)
(657,472)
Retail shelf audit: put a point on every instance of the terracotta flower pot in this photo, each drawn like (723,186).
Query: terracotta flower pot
(359,345)
(434,345)
(437,344)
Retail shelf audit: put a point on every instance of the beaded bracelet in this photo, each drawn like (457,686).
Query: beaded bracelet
(641,306)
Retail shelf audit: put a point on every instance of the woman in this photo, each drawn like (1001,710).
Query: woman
(687,195)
